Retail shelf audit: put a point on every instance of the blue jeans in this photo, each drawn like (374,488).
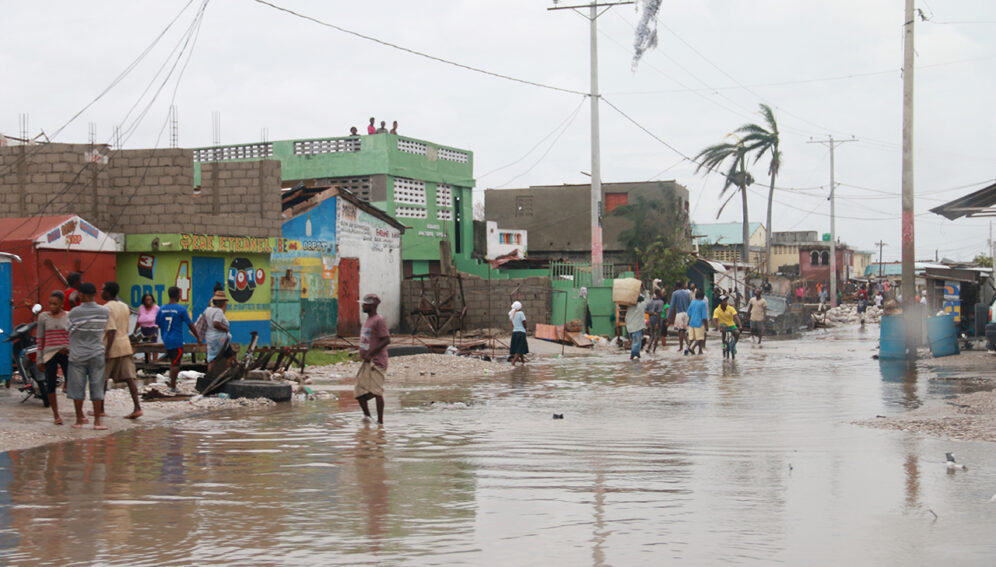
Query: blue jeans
(637,339)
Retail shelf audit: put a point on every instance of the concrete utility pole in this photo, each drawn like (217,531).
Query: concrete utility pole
(909,251)
(596,166)
(880,245)
(831,143)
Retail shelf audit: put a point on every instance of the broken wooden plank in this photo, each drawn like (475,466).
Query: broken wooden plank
(580,340)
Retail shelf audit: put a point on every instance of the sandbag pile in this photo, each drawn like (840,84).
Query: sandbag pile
(848,315)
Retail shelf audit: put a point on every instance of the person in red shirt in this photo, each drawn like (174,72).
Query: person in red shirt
(72,294)
(371,129)
(374,338)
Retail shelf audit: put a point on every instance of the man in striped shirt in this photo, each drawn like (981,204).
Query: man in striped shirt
(87,362)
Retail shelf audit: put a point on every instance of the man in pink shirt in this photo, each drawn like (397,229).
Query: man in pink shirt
(374,338)
(371,129)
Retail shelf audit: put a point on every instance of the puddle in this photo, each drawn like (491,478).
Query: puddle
(685,458)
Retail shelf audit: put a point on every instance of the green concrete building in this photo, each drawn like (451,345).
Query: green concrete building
(426,186)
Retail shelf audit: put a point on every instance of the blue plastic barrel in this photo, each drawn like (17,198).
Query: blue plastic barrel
(943,335)
(892,339)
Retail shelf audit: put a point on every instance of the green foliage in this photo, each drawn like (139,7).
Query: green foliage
(653,220)
(983,261)
(712,158)
(321,357)
(665,261)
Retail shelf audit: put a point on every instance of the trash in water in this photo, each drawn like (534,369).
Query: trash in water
(558,416)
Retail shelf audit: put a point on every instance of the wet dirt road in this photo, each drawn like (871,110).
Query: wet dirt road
(672,458)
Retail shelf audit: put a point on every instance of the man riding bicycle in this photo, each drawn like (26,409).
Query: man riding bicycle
(725,318)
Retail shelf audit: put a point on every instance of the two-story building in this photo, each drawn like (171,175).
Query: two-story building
(725,241)
(557,218)
(426,186)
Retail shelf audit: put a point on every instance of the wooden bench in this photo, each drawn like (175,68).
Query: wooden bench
(152,352)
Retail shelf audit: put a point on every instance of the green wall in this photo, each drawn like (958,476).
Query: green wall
(379,155)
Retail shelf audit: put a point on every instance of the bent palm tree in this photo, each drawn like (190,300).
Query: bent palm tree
(711,159)
(765,141)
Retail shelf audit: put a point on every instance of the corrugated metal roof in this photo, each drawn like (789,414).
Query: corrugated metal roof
(723,233)
(977,204)
(15,229)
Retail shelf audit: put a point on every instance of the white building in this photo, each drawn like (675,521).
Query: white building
(502,241)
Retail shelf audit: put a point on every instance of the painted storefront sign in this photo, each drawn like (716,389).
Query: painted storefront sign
(244,277)
(359,226)
(77,234)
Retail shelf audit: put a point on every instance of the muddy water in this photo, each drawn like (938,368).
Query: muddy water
(752,462)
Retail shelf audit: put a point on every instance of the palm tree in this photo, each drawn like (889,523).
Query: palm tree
(711,159)
(765,141)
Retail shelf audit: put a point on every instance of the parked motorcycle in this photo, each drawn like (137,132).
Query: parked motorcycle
(25,352)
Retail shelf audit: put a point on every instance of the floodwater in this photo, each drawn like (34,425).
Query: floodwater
(683,458)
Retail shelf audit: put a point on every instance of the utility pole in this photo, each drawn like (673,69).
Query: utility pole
(992,256)
(596,166)
(831,143)
(909,251)
(880,245)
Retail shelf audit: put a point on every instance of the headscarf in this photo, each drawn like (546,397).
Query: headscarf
(516,306)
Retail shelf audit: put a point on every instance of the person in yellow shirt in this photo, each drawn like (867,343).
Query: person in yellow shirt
(725,317)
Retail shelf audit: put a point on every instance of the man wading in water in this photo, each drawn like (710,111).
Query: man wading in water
(374,338)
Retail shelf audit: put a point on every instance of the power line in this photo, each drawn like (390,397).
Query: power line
(569,117)
(415,52)
(184,40)
(550,148)
(131,66)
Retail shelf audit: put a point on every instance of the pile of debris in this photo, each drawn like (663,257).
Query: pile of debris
(420,368)
(847,315)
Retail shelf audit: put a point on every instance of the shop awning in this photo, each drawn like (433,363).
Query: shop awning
(981,203)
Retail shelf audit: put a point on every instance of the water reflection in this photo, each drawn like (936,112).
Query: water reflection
(900,383)
(680,458)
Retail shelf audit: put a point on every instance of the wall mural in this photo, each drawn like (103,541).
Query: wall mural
(311,262)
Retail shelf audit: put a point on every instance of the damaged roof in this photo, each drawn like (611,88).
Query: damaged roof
(977,204)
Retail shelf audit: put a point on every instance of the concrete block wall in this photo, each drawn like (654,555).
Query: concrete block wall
(141,191)
(488,303)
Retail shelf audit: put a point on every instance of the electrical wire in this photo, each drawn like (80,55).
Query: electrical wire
(541,140)
(416,52)
(548,149)
(188,39)
(121,76)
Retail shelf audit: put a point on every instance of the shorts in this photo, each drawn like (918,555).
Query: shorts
(696,333)
(121,368)
(681,321)
(173,355)
(369,380)
(83,373)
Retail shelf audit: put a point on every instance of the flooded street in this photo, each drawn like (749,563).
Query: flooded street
(688,458)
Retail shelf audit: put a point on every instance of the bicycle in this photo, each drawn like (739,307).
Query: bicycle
(730,337)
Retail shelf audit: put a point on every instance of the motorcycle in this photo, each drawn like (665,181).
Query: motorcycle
(25,352)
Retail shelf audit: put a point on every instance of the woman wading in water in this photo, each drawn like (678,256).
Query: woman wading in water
(519,347)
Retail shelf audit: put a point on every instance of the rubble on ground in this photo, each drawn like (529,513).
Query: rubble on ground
(420,367)
(970,417)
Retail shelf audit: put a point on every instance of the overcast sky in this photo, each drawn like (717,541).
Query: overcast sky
(825,67)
